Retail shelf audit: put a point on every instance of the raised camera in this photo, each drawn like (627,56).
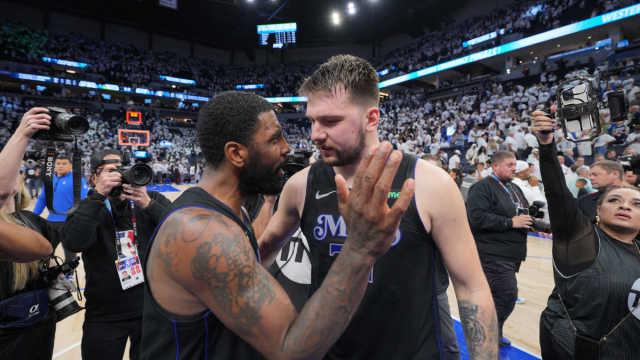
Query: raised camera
(139,174)
(64,126)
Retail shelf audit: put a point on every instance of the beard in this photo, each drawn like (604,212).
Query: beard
(348,157)
(256,178)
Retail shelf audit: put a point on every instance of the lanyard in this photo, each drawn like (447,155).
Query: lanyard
(515,202)
(115,226)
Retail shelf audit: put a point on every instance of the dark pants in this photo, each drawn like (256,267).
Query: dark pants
(501,275)
(448,338)
(33,187)
(107,340)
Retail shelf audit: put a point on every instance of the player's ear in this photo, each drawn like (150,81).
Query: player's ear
(236,154)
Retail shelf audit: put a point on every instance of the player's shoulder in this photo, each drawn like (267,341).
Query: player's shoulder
(299,179)
(427,174)
(191,223)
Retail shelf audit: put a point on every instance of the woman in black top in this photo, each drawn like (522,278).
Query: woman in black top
(28,334)
(593,311)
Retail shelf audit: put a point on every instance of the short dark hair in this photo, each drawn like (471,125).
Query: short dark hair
(610,166)
(499,156)
(63,157)
(357,75)
(228,116)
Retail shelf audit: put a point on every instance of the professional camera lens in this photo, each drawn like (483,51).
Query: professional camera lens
(71,124)
(138,175)
(567,95)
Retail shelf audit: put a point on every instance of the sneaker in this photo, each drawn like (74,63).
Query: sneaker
(505,342)
(521,301)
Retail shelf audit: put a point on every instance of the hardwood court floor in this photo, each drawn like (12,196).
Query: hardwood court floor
(535,282)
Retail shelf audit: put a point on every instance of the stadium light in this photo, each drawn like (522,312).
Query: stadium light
(351,8)
(335,18)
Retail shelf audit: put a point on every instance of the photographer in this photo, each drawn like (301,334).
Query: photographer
(499,219)
(111,228)
(27,321)
(593,310)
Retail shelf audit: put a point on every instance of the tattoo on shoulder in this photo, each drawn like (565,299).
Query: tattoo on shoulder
(179,228)
(227,264)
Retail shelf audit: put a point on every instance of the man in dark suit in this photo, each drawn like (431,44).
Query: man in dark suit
(499,220)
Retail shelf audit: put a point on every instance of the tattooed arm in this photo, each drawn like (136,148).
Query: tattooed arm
(286,219)
(450,230)
(218,266)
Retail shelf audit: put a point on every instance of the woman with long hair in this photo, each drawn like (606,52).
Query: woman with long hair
(27,322)
(593,311)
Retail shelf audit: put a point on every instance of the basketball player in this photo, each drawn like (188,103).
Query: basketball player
(398,316)
(207,296)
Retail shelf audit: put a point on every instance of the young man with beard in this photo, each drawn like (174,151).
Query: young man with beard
(398,316)
(208,296)
(112,231)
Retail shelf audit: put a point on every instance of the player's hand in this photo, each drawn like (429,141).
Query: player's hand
(138,194)
(371,224)
(522,222)
(108,179)
(542,126)
(34,120)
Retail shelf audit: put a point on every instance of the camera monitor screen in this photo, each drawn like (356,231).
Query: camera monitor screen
(141,154)
(128,137)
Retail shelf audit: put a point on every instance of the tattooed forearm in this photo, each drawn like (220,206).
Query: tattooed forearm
(232,278)
(326,315)
(480,330)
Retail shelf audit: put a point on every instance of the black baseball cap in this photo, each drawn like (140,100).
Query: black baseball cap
(97,158)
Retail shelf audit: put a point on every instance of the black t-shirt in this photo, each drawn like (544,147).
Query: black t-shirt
(597,277)
(90,230)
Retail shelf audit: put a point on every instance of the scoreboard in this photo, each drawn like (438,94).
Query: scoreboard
(282,34)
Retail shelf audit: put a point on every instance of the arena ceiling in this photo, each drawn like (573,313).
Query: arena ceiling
(232,23)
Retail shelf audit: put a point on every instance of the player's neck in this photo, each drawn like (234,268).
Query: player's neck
(224,187)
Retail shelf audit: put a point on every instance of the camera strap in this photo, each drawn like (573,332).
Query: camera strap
(47,177)
(511,193)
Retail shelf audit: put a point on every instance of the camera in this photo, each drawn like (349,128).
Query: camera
(534,210)
(64,126)
(578,109)
(139,174)
(631,162)
(296,162)
(60,287)
(618,106)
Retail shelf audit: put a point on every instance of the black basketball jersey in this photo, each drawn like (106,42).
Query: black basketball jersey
(397,318)
(201,336)
(596,299)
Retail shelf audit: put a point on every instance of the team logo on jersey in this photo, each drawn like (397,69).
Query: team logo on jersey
(293,259)
(634,299)
(327,224)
